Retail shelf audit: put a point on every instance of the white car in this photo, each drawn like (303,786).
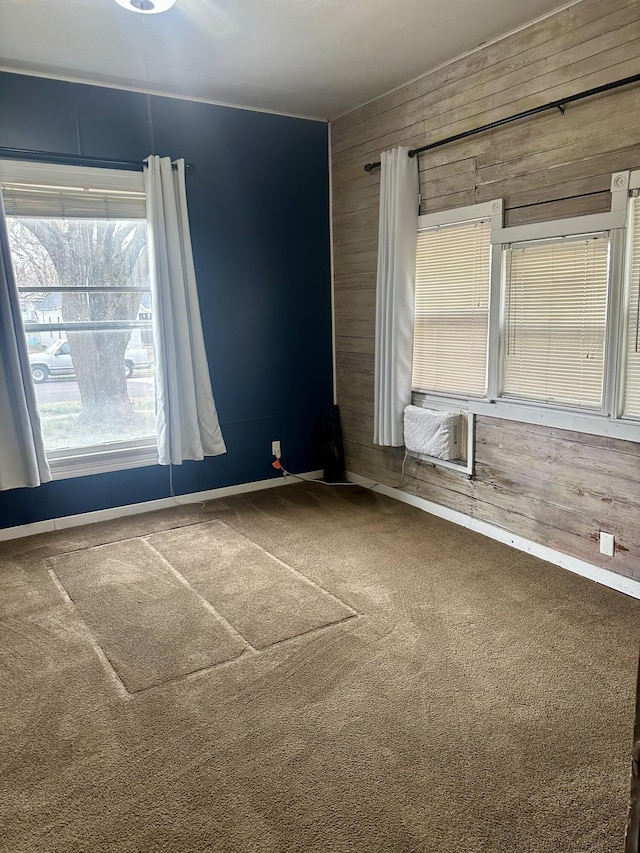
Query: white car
(56,361)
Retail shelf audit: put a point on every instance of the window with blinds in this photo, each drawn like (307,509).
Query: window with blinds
(555,321)
(452,308)
(78,240)
(631,407)
(78,192)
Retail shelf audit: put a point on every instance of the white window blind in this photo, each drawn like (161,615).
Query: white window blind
(72,192)
(632,375)
(452,308)
(555,321)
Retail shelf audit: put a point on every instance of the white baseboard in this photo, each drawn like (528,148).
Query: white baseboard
(573,564)
(148,506)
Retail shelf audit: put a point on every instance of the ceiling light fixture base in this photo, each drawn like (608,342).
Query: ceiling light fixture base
(147,7)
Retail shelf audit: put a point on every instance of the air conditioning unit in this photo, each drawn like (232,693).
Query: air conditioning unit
(429,432)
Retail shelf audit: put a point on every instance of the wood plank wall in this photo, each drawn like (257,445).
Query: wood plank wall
(555,487)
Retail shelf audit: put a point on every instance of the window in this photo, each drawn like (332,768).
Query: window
(78,241)
(555,321)
(452,308)
(631,406)
(538,323)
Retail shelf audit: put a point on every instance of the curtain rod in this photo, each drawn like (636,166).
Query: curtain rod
(552,105)
(72,159)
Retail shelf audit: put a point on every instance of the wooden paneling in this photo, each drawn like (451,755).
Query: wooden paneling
(546,38)
(552,486)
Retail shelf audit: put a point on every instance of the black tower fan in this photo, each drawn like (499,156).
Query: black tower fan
(332,447)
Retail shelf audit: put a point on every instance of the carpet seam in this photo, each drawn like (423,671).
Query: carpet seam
(100,653)
(193,674)
(107,664)
(315,585)
(245,653)
(311,631)
(118,541)
(248,650)
(204,601)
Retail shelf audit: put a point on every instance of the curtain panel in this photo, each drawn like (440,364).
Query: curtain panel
(397,240)
(23,461)
(186,417)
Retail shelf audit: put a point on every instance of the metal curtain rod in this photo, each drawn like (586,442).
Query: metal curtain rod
(72,159)
(552,105)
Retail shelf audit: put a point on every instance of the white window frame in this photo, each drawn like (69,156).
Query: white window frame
(102,458)
(617,222)
(488,210)
(112,456)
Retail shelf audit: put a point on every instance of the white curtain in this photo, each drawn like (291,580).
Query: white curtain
(397,239)
(23,461)
(186,418)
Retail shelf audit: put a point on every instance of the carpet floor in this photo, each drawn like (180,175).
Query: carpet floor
(308,669)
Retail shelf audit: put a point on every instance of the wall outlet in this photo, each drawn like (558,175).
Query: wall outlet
(607,544)
(275,449)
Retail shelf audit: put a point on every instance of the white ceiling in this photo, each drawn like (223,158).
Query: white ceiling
(307,57)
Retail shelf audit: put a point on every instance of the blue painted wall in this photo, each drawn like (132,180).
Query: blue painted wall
(259,211)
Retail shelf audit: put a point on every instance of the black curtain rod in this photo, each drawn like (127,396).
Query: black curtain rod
(72,159)
(552,105)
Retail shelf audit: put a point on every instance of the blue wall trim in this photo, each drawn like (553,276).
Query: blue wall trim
(259,210)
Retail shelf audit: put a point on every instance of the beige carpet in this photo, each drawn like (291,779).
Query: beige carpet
(164,607)
(307,669)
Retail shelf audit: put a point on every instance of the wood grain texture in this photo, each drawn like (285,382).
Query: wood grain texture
(555,487)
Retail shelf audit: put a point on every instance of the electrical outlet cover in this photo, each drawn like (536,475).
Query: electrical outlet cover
(607,544)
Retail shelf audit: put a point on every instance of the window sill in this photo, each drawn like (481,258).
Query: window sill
(83,462)
(458,467)
(624,430)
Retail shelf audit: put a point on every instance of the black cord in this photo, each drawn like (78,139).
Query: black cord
(369,486)
(286,473)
